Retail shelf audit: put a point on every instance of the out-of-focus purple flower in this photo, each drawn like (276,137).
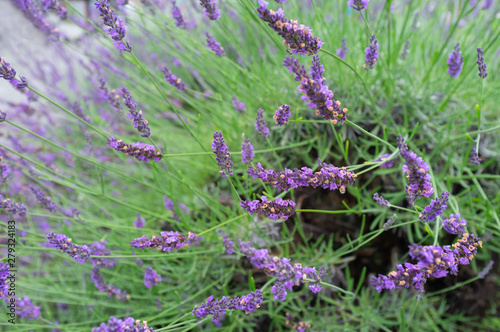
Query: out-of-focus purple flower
(480,63)
(6,71)
(342,51)
(139,222)
(295,324)
(405,50)
(3,115)
(112,96)
(328,177)
(173,80)
(177,15)
(388,163)
(4,169)
(168,241)
(129,324)
(35,15)
(135,115)
(99,249)
(358,5)
(26,309)
(260,124)
(56,6)
(13,207)
(389,222)
(455,224)
(455,62)
(169,204)
(151,278)
(239,105)
(228,244)
(280,1)
(381,200)
(43,200)
(4,283)
(474,157)
(435,208)
(487,4)
(117,28)
(141,151)
(247,151)
(277,209)
(282,115)
(223,158)
(215,45)
(416,168)
(110,290)
(210,9)
(317,96)
(371,54)
(218,308)
(60,241)
(298,37)
(20,85)
(482,274)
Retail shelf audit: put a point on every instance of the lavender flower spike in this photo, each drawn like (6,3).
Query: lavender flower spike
(3,115)
(167,242)
(358,5)
(43,200)
(139,122)
(371,54)
(141,151)
(228,244)
(342,51)
(260,124)
(26,309)
(6,71)
(218,308)
(389,222)
(210,9)
(215,45)
(455,62)
(60,241)
(474,157)
(380,200)
(435,208)
(277,209)
(177,15)
(455,224)
(247,151)
(480,63)
(282,115)
(4,282)
(12,207)
(151,278)
(223,158)
(239,105)
(173,80)
(129,324)
(110,289)
(117,29)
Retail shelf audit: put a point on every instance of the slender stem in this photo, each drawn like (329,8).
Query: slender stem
(371,135)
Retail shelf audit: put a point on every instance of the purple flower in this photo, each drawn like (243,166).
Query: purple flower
(43,200)
(6,71)
(13,207)
(383,157)
(328,177)
(487,4)
(416,168)
(177,15)
(298,37)
(218,308)
(173,80)
(247,151)
(228,244)
(4,283)
(112,97)
(317,96)
(141,151)
(55,6)
(139,222)
(110,290)
(26,309)
(389,222)
(260,124)
(151,278)
(482,274)
(210,9)
(455,62)
(282,115)
(223,158)
(480,63)
(358,5)
(371,54)
(238,105)
(117,29)
(3,115)
(60,241)
(405,50)
(168,241)
(342,51)
(435,208)
(129,324)
(380,200)
(215,45)
(139,122)
(279,208)
(295,324)
(99,249)
(455,224)
(474,157)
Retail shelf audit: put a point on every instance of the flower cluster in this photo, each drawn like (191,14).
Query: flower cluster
(386,164)
(342,51)
(210,9)
(151,278)
(218,308)
(228,244)
(223,158)
(435,208)
(239,105)
(177,15)
(371,54)
(381,200)
(474,157)
(55,5)
(282,115)
(26,309)
(298,37)
(455,61)
(215,45)
(168,241)
(110,290)
(135,115)
(358,5)
(6,71)
(4,283)
(112,97)
(129,324)
(328,177)
(43,200)
(295,324)
(318,95)
(247,151)
(173,80)
(13,207)
(418,178)
(139,222)
(279,208)
(99,249)
(140,151)
(260,124)
(288,275)
(389,222)
(79,252)
(455,224)
(117,29)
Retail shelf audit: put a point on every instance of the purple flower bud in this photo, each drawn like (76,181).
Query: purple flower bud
(389,222)
(380,200)
(435,208)
(247,151)
(277,209)
(474,157)
(215,45)
(358,5)
(139,122)
(342,51)
(26,309)
(168,241)
(99,249)
(173,80)
(110,289)
(218,308)
(260,124)
(117,29)
(129,324)
(223,158)
(151,278)
(238,105)
(371,54)
(43,200)
(177,15)
(3,115)
(141,151)
(13,207)
(455,62)
(210,9)
(60,241)
(4,169)
(282,115)
(455,224)
(388,163)
(6,71)
(139,222)
(228,244)
(4,283)
(480,63)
